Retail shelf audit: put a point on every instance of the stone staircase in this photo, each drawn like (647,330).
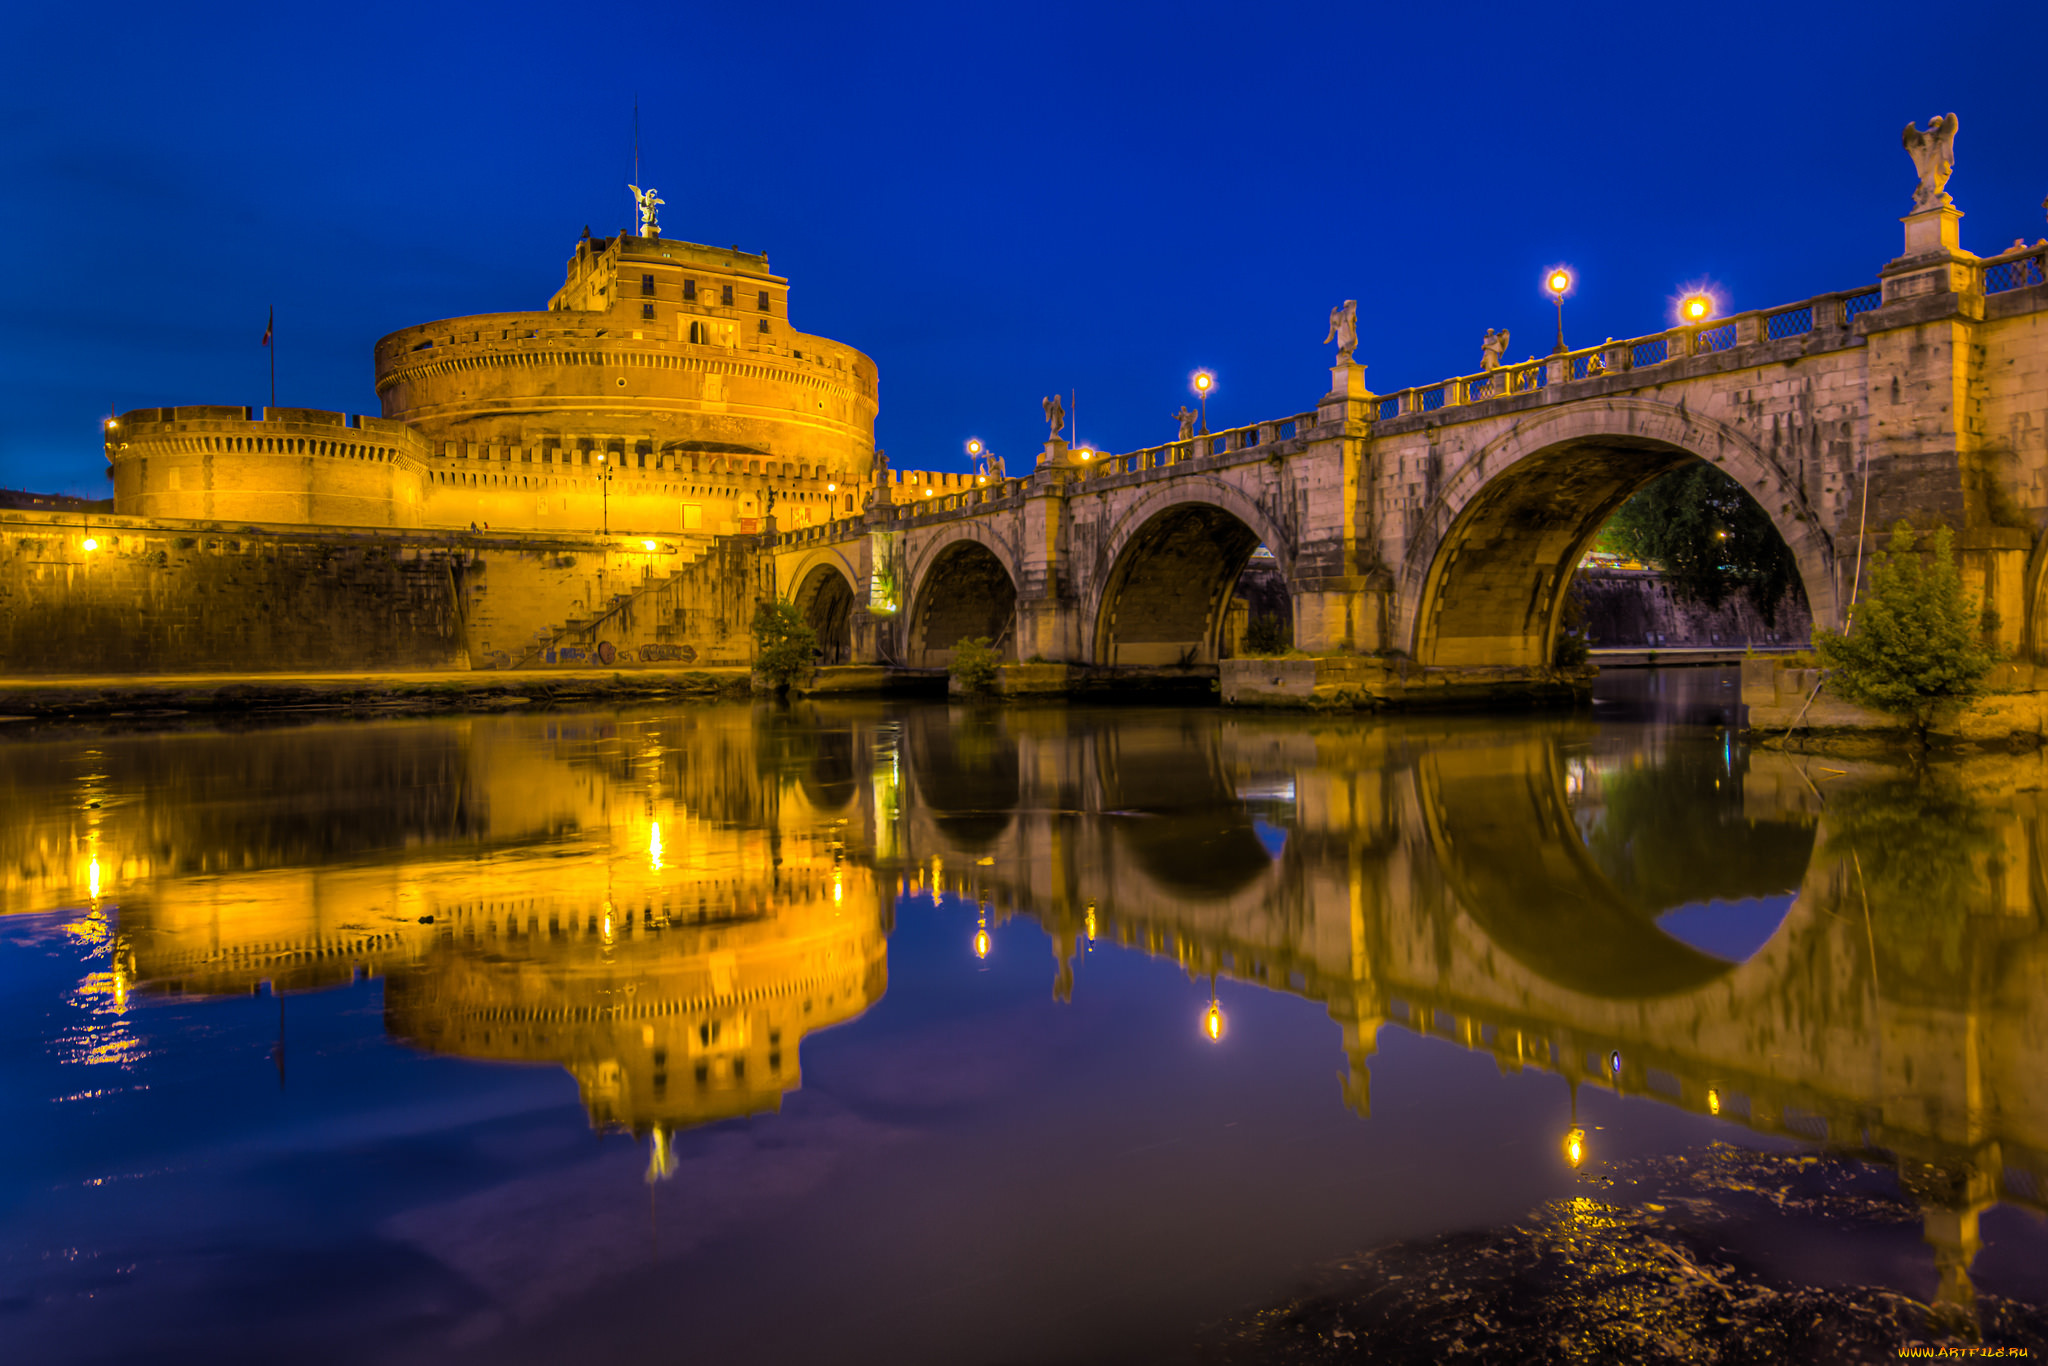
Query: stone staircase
(696,612)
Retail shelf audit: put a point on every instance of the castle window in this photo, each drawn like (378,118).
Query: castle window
(690,289)
(764,301)
(647,311)
(647,284)
(726,296)
(763,325)
(697,332)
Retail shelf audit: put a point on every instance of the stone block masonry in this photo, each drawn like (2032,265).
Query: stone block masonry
(108,595)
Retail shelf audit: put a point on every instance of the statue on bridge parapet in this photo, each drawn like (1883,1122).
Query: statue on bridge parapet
(1055,415)
(1186,418)
(1491,348)
(878,479)
(1933,150)
(1344,330)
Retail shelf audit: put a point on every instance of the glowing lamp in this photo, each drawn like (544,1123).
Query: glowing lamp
(1213,1022)
(1696,308)
(927,493)
(1204,381)
(831,488)
(1559,282)
(974,447)
(648,544)
(92,543)
(981,479)
(1575,1146)
(600,458)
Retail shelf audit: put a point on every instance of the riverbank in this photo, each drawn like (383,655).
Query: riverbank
(121,697)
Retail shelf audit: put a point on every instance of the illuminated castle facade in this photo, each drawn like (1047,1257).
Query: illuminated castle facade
(662,390)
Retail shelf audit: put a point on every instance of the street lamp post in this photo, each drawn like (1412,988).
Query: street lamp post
(1559,284)
(1204,382)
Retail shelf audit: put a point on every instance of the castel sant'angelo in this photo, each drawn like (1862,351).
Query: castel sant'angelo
(663,390)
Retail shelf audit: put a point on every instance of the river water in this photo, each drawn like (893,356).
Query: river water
(872,1031)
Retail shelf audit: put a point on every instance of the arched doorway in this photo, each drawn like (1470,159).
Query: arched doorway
(966,593)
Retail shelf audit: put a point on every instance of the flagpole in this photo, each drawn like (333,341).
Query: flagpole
(270,338)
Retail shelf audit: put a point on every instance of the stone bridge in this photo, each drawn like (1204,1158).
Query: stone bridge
(1444,522)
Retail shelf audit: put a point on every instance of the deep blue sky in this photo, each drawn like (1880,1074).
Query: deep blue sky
(992,201)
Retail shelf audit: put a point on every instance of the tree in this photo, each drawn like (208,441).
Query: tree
(974,663)
(784,644)
(1914,647)
(1708,536)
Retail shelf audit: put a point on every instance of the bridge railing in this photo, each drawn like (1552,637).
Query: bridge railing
(1100,464)
(2016,269)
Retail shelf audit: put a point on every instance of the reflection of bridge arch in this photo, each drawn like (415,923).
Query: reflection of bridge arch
(967,777)
(1485,578)
(1167,568)
(1521,871)
(827,591)
(963,584)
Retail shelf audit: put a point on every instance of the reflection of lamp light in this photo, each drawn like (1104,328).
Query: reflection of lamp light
(660,1157)
(1713,1101)
(1575,1145)
(982,943)
(1213,1022)
(1090,924)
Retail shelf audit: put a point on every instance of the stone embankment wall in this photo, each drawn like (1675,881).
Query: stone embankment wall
(106,595)
(1627,608)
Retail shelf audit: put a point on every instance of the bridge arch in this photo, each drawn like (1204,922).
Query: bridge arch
(1485,576)
(963,583)
(1167,567)
(826,591)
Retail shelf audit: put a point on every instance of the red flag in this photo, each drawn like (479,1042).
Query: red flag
(268,326)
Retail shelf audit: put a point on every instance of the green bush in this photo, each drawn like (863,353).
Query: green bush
(974,664)
(1266,635)
(784,644)
(1573,646)
(1914,648)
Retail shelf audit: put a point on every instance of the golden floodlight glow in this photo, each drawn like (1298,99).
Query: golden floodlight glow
(1559,281)
(1212,1022)
(1696,308)
(1575,1146)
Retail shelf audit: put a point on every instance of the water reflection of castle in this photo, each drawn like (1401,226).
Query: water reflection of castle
(666,907)
(662,919)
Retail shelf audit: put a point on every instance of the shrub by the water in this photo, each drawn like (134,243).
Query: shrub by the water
(784,644)
(974,664)
(1914,648)
(1265,635)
